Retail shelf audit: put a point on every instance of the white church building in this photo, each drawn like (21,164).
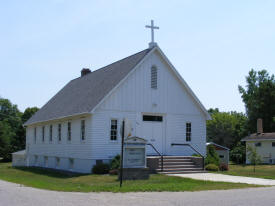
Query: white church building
(80,125)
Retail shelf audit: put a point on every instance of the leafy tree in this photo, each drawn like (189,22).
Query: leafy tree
(12,133)
(259,99)
(237,154)
(28,113)
(212,156)
(253,156)
(226,128)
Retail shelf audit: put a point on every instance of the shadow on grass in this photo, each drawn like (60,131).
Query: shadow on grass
(50,172)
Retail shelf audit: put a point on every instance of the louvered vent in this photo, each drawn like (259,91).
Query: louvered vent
(154,77)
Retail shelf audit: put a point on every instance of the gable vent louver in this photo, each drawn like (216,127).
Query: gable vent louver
(154,77)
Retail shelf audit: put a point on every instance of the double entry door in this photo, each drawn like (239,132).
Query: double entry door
(153,132)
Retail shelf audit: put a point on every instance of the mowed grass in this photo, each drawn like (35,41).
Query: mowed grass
(51,180)
(262,171)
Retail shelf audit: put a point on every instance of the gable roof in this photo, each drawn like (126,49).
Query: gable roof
(82,94)
(261,136)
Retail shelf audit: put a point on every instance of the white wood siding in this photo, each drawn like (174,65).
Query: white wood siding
(135,96)
(74,148)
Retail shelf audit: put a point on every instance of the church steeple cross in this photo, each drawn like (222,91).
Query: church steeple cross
(152,27)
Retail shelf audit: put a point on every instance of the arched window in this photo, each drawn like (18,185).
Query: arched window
(154,77)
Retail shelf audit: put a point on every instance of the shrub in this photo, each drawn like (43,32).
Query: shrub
(212,167)
(237,154)
(101,169)
(115,162)
(212,156)
(113,172)
(195,155)
(223,167)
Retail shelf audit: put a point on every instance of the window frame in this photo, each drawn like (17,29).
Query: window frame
(113,130)
(71,163)
(59,132)
(69,131)
(154,77)
(188,134)
(51,133)
(258,144)
(57,162)
(83,130)
(34,135)
(43,134)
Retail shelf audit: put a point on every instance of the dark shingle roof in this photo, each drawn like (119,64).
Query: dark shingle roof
(82,94)
(261,136)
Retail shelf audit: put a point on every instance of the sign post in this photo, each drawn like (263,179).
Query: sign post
(122,150)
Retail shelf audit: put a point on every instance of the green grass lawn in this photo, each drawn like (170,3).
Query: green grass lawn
(51,180)
(262,171)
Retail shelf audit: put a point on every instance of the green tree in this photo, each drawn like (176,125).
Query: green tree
(259,99)
(253,156)
(212,156)
(28,113)
(226,128)
(237,154)
(10,123)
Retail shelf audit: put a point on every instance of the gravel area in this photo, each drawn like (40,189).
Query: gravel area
(13,194)
(227,178)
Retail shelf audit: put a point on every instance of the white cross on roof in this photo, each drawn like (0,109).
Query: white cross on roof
(152,27)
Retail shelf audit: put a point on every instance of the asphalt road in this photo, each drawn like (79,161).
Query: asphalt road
(13,194)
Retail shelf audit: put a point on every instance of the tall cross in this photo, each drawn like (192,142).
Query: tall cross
(152,27)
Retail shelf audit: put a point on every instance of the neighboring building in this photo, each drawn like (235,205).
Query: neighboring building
(222,151)
(80,125)
(264,143)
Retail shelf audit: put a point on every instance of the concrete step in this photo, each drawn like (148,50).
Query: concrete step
(179,169)
(182,172)
(177,163)
(180,166)
(176,160)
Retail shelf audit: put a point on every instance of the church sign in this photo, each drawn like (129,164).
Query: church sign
(135,153)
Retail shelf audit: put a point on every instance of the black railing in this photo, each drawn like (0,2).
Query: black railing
(161,156)
(178,144)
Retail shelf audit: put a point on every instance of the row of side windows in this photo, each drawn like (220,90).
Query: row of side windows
(59,132)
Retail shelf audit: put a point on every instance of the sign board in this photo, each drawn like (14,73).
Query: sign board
(135,152)
(134,157)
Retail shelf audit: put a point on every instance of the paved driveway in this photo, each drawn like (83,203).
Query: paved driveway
(13,195)
(227,178)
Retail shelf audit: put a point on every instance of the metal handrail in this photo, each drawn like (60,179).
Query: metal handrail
(161,156)
(179,144)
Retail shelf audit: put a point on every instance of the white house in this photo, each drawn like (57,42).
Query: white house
(80,125)
(264,143)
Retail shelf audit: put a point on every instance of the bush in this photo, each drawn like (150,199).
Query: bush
(223,167)
(237,154)
(195,155)
(212,156)
(212,167)
(115,163)
(114,172)
(101,169)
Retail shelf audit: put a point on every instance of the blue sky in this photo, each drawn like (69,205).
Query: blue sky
(213,44)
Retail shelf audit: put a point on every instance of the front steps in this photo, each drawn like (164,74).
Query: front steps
(178,165)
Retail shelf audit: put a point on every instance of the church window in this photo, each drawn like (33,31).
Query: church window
(59,132)
(82,129)
(34,135)
(69,131)
(113,135)
(188,131)
(51,133)
(43,133)
(154,77)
